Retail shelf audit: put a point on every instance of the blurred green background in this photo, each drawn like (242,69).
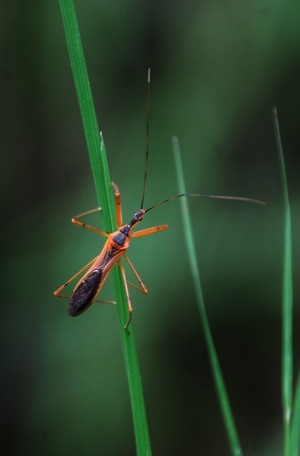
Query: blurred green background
(217,69)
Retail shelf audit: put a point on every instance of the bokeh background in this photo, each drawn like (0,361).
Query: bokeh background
(217,70)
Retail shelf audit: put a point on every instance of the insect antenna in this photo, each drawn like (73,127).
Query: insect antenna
(199,195)
(235,198)
(147,138)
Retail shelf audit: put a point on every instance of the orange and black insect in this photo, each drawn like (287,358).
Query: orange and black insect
(90,284)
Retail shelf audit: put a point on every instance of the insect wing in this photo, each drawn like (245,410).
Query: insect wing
(83,295)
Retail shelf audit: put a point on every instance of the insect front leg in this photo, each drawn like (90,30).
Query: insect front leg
(118,205)
(152,230)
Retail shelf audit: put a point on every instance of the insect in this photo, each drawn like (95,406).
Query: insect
(95,273)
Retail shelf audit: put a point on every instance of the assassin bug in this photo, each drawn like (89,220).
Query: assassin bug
(96,271)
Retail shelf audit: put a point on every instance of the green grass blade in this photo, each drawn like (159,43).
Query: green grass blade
(216,369)
(101,177)
(95,144)
(287,298)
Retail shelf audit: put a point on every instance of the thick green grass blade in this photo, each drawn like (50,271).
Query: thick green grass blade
(216,369)
(287,298)
(101,177)
(95,144)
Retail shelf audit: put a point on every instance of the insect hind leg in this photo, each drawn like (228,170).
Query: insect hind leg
(58,292)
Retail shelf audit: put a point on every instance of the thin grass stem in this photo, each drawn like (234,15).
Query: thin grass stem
(232,435)
(287,298)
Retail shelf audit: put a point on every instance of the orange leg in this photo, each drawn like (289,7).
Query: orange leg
(142,288)
(88,227)
(62,287)
(91,211)
(130,309)
(147,231)
(117,194)
(58,292)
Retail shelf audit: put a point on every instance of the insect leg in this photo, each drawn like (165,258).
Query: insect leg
(142,286)
(88,227)
(117,194)
(130,309)
(57,292)
(152,230)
